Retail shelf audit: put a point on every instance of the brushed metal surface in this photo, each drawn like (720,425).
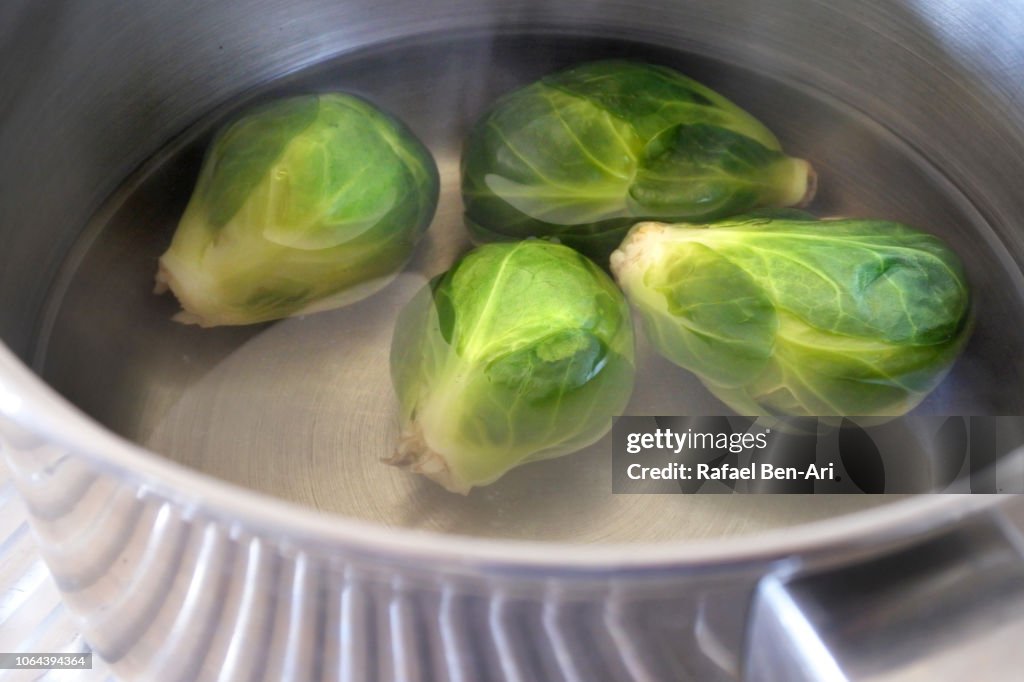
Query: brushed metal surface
(303,409)
(88,91)
(944,609)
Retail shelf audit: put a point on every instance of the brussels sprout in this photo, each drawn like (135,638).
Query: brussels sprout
(520,352)
(583,154)
(303,204)
(791,316)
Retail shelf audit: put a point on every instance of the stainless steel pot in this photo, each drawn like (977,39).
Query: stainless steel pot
(913,111)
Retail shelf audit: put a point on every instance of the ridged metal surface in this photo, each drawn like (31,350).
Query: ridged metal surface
(169,593)
(174,595)
(32,617)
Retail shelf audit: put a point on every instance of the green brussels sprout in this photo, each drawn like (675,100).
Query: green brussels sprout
(520,352)
(583,154)
(799,317)
(303,204)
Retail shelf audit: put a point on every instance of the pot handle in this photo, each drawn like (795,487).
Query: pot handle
(948,608)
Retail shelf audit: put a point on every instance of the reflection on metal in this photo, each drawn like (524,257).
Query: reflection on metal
(32,617)
(776,632)
(948,608)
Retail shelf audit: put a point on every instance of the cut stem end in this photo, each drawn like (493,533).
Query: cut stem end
(413,454)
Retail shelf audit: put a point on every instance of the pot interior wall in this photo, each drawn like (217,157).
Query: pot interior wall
(302,409)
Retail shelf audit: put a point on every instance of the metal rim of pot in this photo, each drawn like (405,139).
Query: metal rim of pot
(28,401)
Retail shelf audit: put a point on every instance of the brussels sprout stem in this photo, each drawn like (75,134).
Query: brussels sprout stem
(413,454)
(636,248)
(801,185)
(166,281)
